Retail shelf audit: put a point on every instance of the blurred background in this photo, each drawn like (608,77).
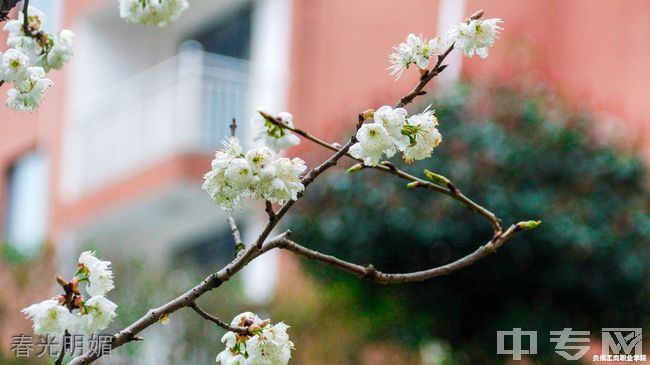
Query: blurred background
(553,125)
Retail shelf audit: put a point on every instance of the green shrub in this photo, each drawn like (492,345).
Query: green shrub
(523,158)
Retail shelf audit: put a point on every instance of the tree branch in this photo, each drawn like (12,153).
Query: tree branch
(219,322)
(373,274)
(64,348)
(26,29)
(268,207)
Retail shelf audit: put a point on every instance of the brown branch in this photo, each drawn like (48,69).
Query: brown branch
(217,321)
(233,127)
(26,29)
(268,207)
(5,7)
(59,359)
(373,274)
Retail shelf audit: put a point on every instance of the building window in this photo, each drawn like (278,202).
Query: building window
(27,203)
(225,83)
(231,37)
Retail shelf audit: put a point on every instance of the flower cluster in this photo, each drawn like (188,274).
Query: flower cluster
(391,131)
(416,50)
(472,36)
(57,315)
(236,176)
(272,135)
(475,36)
(29,57)
(265,343)
(152,12)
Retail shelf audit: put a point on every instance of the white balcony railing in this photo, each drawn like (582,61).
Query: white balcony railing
(184,104)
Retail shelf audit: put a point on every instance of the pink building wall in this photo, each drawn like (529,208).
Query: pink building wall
(593,51)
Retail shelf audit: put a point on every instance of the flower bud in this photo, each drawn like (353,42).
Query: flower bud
(436,178)
(368,114)
(477,15)
(413,184)
(528,225)
(164,318)
(355,168)
(74,283)
(61,281)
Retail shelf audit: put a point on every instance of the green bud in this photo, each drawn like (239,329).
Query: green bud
(354,168)
(436,178)
(413,184)
(529,224)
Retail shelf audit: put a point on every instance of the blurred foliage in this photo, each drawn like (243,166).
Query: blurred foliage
(523,156)
(11,255)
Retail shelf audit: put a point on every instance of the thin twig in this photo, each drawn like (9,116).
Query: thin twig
(373,274)
(233,127)
(5,7)
(219,322)
(59,359)
(26,29)
(268,207)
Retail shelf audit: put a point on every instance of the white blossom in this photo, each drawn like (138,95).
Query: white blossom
(239,173)
(215,183)
(415,50)
(423,136)
(475,36)
(268,344)
(274,137)
(236,176)
(152,12)
(99,313)
(59,53)
(14,65)
(373,142)
(285,183)
(393,120)
(259,158)
(98,273)
(28,92)
(227,357)
(50,317)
